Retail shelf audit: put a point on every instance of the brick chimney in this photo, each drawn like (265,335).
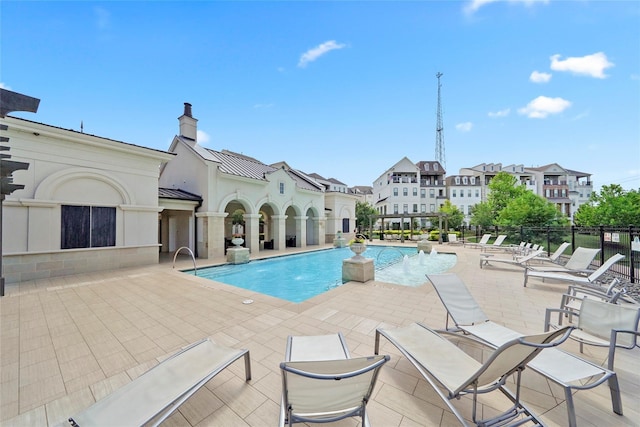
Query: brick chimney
(188,125)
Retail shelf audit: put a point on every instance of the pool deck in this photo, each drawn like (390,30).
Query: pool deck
(68,341)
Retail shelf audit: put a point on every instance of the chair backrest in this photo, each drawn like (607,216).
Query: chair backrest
(517,352)
(460,304)
(526,258)
(605,267)
(452,237)
(485,238)
(581,258)
(563,247)
(499,239)
(599,318)
(329,388)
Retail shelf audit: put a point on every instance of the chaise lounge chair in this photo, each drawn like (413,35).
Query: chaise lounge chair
(483,241)
(321,382)
(519,261)
(578,263)
(554,257)
(155,395)
(565,369)
(452,373)
(497,245)
(572,278)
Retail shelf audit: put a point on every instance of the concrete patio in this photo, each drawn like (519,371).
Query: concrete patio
(69,341)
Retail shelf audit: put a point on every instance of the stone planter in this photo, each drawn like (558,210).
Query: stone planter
(238,241)
(358,249)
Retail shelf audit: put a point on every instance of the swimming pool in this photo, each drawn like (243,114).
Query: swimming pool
(298,277)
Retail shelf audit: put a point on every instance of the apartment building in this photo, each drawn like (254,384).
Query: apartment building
(464,191)
(410,188)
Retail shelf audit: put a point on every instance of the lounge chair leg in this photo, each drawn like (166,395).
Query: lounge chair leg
(376,348)
(247,365)
(614,388)
(571,410)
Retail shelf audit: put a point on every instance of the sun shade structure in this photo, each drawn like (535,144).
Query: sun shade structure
(565,369)
(155,395)
(453,373)
(321,383)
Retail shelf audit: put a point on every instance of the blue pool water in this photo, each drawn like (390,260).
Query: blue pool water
(299,277)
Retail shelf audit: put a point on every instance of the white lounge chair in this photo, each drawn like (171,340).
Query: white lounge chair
(519,261)
(567,370)
(578,263)
(497,245)
(602,324)
(452,373)
(483,241)
(572,298)
(321,382)
(555,256)
(155,395)
(572,278)
(453,239)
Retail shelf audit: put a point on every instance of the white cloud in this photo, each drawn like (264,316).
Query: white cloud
(103,18)
(501,113)
(258,106)
(464,127)
(538,77)
(543,106)
(316,52)
(4,86)
(588,65)
(474,5)
(202,137)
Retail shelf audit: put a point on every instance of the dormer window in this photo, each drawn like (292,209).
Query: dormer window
(457,180)
(473,180)
(464,180)
(435,166)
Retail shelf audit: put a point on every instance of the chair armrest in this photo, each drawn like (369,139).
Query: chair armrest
(560,311)
(613,343)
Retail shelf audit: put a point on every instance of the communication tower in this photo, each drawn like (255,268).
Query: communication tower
(440,129)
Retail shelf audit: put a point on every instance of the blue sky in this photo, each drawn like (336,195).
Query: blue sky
(343,89)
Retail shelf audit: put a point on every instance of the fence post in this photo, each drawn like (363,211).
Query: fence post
(601,228)
(573,238)
(548,240)
(632,257)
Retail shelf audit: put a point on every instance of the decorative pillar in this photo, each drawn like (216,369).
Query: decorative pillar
(279,230)
(301,231)
(212,244)
(252,232)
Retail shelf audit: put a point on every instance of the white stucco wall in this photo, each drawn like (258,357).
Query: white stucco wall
(72,168)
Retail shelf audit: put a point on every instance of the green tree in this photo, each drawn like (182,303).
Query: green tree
(481,215)
(364,211)
(529,209)
(454,216)
(502,189)
(613,206)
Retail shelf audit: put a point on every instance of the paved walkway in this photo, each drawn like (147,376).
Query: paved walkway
(66,342)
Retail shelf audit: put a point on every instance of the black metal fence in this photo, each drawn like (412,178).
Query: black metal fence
(610,240)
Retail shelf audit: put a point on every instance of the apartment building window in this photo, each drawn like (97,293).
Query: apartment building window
(432,192)
(464,180)
(432,208)
(453,193)
(415,191)
(423,193)
(87,227)
(395,208)
(473,180)
(405,208)
(462,208)
(435,166)
(477,193)
(395,191)
(423,208)
(457,180)
(461,193)
(405,191)
(281,186)
(415,208)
